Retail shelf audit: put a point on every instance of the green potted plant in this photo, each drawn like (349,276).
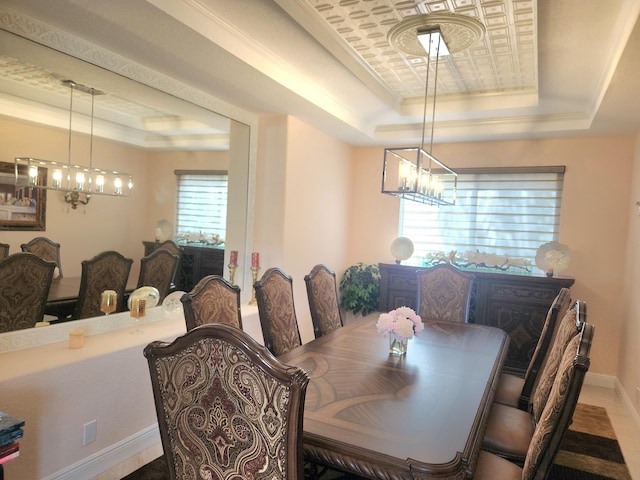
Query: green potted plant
(360,289)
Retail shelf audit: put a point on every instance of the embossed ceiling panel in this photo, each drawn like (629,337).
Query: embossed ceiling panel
(504,60)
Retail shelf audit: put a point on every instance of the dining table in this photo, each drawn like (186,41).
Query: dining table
(420,415)
(63,296)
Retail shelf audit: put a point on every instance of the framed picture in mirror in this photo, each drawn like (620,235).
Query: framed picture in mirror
(22,206)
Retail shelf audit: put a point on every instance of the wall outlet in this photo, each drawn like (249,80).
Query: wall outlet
(90,432)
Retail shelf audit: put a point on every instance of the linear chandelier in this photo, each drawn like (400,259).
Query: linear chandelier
(78,182)
(413,173)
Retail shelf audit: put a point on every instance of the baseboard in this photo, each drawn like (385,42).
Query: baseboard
(628,403)
(109,457)
(600,380)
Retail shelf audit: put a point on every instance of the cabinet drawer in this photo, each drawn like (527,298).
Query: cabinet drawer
(531,294)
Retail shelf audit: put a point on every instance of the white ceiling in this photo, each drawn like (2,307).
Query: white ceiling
(552,67)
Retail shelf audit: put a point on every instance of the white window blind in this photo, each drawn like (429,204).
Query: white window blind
(498,211)
(202,202)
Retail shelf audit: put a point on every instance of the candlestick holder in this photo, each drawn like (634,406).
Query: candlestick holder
(254,275)
(232,273)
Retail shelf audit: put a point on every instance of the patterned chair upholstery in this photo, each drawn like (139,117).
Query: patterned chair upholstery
(106,271)
(274,295)
(444,293)
(322,293)
(509,430)
(45,249)
(25,279)
(171,246)
(554,421)
(226,407)
(158,270)
(213,299)
(516,391)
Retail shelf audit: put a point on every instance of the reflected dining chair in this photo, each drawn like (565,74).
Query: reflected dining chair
(554,421)
(4,250)
(516,391)
(444,293)
(509,430)
(25,279)
(45,249)
(158,270)
(274,295)
(322,294)
(213,299)
(106,271)
(240,413)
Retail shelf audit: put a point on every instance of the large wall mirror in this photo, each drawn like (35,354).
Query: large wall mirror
(162,132)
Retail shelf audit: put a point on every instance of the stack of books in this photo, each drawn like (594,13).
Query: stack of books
(10,432)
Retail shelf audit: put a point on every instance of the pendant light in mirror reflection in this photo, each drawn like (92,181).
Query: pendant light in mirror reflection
(77,182)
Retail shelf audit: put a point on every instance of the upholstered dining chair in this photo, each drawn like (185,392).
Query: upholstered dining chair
(171,246)
(444,293)
(158,270)
(46,249)
(509,430)
(554,420)
(240,413)
(25,279)
(322,294)
(4,250)
(514,390)
(213,299)
(106,271)
(274,295)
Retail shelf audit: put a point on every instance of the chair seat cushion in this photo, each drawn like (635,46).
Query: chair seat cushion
(509,432)
(509,389)
(493,467)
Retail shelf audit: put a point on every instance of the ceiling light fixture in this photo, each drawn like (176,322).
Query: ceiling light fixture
(77,182)
(413,173)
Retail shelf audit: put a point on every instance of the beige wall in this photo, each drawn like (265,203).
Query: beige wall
(302,194)
(594,220)
(629,355)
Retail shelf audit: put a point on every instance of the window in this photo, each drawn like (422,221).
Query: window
(502,211)
(201,203)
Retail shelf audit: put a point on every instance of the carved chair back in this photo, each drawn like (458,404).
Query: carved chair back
(25,279)
(554,419)
(45,249)
(106,271)
(322,294)
(240,413)
(274,295)
(557,312)
(571,325)
(213,299)
(158,270)
(444,293)
(4,250)
(556,416)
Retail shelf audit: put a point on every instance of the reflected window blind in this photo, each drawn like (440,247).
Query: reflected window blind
(501,211)
(202,202)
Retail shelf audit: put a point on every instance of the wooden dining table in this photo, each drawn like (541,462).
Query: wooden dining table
(63,296)
(418,416)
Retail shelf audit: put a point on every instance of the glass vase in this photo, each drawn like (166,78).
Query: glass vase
(397,346)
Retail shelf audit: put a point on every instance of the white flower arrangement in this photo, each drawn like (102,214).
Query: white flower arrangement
(403,322)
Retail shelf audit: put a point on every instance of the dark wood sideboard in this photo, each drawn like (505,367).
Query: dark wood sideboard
(195,262)
(517,304)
